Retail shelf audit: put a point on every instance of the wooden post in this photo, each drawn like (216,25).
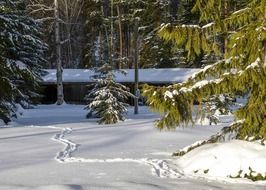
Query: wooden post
(136,66)
(59,71)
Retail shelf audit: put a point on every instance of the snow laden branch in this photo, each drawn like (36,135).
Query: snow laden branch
(176,102)
(22,53)
(237,38)
(236,25)
(226,134)
(189,36)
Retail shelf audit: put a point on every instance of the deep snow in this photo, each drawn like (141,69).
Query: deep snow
(56,148)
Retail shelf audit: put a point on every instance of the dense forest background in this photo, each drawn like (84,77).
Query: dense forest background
(95,32)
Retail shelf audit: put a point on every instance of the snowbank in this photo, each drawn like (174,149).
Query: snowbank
(233,159)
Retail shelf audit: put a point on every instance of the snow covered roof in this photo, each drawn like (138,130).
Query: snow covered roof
(154,76)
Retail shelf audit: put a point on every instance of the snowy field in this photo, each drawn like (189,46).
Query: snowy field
(56,148)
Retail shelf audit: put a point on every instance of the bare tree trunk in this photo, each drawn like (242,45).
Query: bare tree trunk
(70,15)
(120,37)
(112,33)
(59,74)
(100,50)
(173,6)
(106,50)
(126,45)
(68,34)
(70,54)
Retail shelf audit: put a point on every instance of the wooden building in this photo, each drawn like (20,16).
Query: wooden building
(75,81)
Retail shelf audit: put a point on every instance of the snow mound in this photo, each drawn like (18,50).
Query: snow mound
(233,159)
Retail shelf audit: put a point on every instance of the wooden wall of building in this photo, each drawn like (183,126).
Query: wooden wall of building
(74,93)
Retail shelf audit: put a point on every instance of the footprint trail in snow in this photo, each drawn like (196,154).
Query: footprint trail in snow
(161,168)
(69,146)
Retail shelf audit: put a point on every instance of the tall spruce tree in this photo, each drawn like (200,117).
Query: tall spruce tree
(21,54)
(237,28)
(107,98)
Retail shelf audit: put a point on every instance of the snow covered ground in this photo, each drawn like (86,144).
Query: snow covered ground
(56,148)
(228,161)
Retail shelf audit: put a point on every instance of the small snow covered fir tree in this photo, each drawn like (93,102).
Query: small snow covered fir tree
(107,98)
(21,54)
(213,107)
(235,30)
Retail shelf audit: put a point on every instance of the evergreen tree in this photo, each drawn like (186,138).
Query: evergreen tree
(107,99)
(240,25)
(21,53)
(156,52)
(110,29)
(214,107)
(7,91)
(97,33)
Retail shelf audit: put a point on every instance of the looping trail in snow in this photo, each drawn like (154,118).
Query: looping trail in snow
(161,168)
(69,148)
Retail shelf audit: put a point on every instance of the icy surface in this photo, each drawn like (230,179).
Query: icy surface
(56,148)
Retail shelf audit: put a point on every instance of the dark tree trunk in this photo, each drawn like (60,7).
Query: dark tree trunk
(173,6)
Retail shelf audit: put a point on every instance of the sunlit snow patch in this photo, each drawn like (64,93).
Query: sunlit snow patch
(229,160)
